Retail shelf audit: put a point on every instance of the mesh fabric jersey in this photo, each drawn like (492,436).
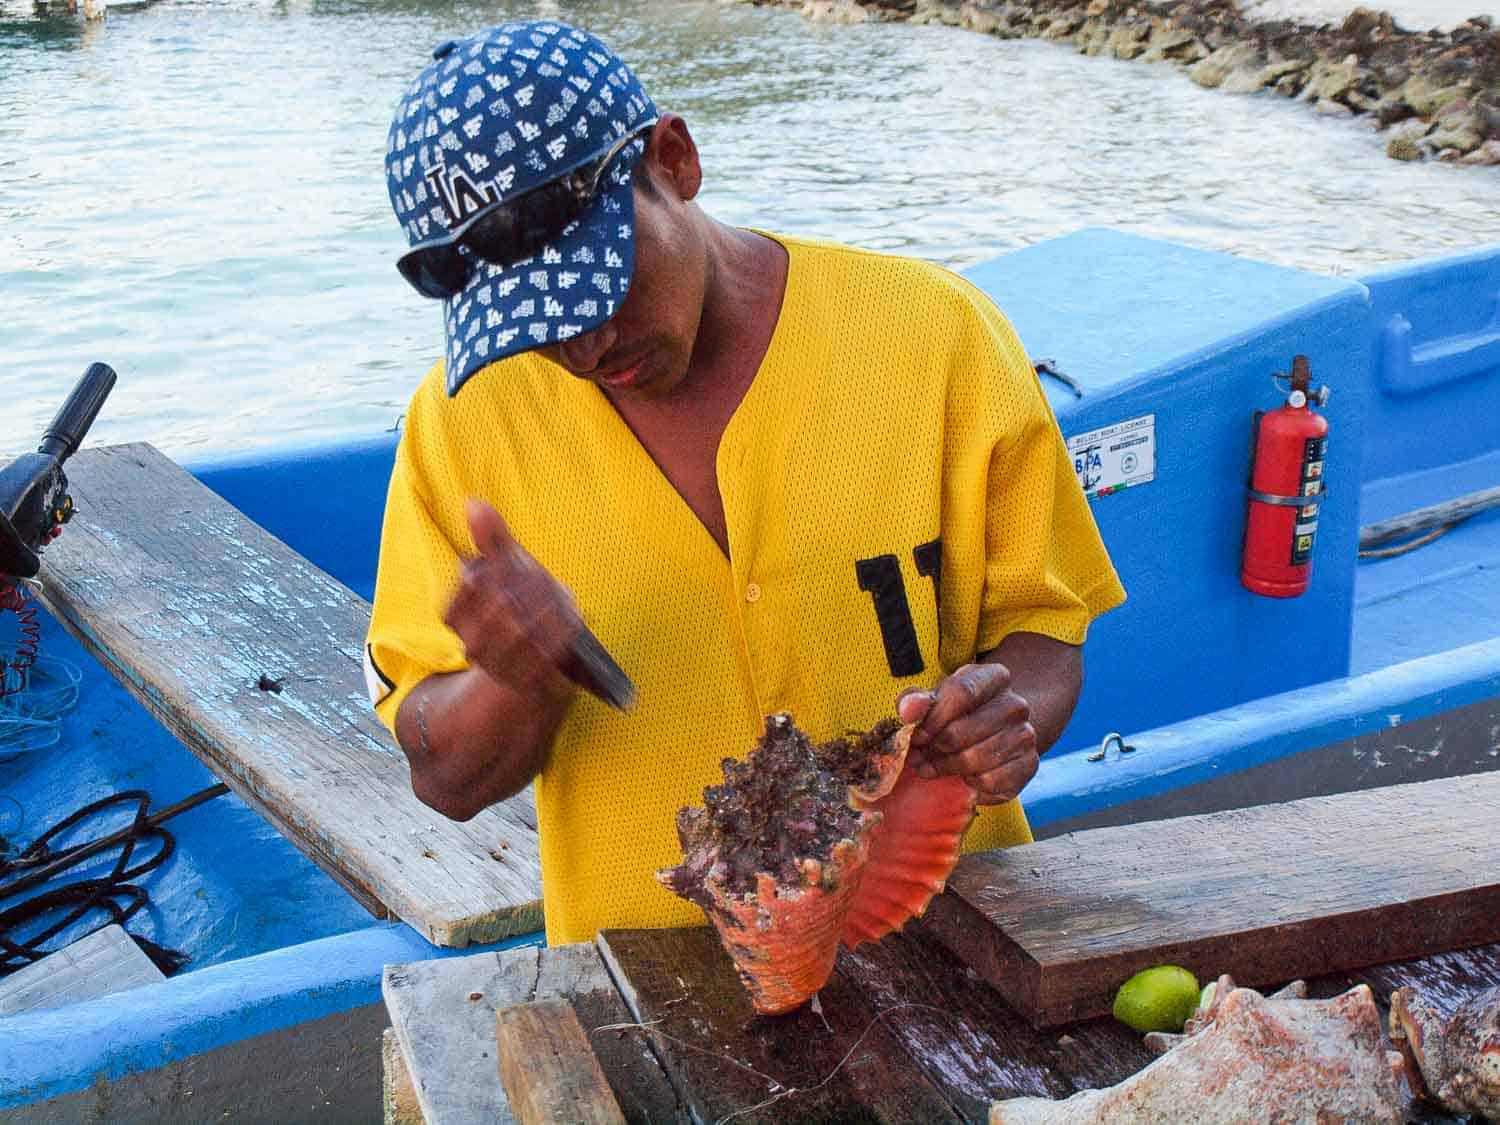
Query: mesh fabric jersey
(894,455)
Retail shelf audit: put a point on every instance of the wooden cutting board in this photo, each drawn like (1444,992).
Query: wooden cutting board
(1266,894)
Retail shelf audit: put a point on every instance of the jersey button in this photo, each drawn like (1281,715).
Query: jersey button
(752,593)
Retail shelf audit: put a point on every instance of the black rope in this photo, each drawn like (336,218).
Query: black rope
(113,895)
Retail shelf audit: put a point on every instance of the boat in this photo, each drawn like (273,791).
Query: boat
(1200,694)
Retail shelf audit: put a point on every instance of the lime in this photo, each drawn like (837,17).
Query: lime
(1207,996)
(1159,999)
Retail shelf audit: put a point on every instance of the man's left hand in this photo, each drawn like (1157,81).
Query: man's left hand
(975,726)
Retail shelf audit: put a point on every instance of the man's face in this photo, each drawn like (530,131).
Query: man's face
(645,350)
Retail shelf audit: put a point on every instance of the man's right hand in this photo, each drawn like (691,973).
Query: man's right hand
(480,735)
(516,621)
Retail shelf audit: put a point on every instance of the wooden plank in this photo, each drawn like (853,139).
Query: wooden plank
(189,603)
(104,962)
(398,1096)
(1265,894)
(443,1016)
(806,1066)
(548,1069)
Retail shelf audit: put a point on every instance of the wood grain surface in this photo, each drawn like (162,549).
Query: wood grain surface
(834,1065)
(443,1016)
(189,604)
(548,1069)
(943,1029)
(1266,894)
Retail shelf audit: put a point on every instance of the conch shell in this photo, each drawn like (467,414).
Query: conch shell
(1248,1057)
(805,847)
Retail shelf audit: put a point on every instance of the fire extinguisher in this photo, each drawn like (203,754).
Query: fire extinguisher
(1286,488)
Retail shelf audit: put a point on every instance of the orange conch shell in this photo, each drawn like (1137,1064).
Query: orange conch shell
(912,853)
(783,937)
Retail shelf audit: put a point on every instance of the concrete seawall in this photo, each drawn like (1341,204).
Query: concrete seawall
(1436,91)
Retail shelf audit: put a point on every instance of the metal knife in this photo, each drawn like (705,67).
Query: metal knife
(590,666)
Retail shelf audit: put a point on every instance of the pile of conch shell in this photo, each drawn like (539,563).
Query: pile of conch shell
(1248,1058)
(806,847)
(1454,1062)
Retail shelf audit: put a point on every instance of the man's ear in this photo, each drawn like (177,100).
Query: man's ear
(672,158)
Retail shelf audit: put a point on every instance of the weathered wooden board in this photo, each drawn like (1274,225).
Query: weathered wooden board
(835,1066)
(189,603)
(548,1069)
(1266,894)
(398,1096)
(104,962)
(443,1015)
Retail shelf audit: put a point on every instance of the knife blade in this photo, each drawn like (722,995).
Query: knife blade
(590,666)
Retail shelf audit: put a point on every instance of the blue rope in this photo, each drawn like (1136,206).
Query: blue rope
(33,704)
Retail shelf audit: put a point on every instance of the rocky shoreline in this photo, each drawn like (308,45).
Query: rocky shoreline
(1436,92)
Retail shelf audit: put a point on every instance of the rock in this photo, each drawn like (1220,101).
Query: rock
(1332,80)
(1368,24)
(1427,95)
(1403,147)
(1330,108)
(835,11)
(1174,43)
(1390,110)
(1062,27)
(1129,41)
(1462,133)
(1487,154)
(936,11)
(1212,71)
(1290,85)
(986,21)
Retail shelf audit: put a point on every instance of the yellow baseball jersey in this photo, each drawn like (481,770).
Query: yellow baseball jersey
(898,499)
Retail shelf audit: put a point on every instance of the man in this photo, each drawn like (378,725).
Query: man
(771,474)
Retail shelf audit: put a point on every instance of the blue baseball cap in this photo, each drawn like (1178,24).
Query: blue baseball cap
(494,116)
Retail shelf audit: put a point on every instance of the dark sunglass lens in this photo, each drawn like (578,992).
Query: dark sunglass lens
(437,271)
(521,228)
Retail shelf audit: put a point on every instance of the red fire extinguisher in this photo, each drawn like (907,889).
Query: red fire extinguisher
(1286,488)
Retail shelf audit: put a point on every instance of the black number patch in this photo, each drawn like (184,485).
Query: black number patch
(880,577)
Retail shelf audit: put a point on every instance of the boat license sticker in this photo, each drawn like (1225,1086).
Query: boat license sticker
(1115,457)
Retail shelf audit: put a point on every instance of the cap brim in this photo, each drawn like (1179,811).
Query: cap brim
(575,283)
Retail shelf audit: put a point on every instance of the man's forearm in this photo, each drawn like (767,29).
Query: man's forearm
(1048,674)
(472,741)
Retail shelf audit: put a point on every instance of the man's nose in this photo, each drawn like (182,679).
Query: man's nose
(582,353)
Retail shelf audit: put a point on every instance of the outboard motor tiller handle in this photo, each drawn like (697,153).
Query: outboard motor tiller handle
(34,500)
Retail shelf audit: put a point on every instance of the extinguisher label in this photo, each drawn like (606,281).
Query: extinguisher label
(1314,451)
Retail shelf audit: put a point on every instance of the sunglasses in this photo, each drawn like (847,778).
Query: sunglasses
(510,230)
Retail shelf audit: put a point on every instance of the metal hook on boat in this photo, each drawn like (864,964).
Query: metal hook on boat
(1116,739)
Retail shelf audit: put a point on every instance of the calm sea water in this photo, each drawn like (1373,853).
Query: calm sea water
(192,191)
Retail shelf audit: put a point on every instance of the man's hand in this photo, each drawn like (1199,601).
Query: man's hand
(973,725)
(516,621)
(990,721)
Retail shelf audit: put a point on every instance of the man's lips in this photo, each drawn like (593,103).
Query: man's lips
(621,376)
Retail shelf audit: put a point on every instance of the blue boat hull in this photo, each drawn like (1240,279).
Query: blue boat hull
(1383,672)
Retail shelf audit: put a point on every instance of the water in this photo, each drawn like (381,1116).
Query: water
(192,191)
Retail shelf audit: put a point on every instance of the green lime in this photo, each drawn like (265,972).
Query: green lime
(1159,999)
(1207,996)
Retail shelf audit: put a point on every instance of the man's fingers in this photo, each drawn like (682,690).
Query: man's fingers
(487,528)
(1004,783)
(912,704)
(996,750)
(967,689)
(1006,711)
